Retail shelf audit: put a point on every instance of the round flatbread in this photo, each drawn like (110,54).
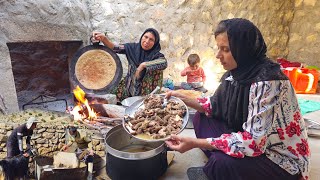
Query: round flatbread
(95,69)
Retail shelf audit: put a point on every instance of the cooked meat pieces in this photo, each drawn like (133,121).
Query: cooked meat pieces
(157,121)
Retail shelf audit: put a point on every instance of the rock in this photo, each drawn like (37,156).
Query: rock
(103,147)
(101,99)
(39,146)
(48,135)
(35,136)
(9,133)
(60,130)
(41,130)
(43,151)
(46,146)
(60,145)
(54,141)
(97,148)
(54,148)
(3,138)
(3,144)
(61,135)
(3,155)
(56,134)
(95,142)
(41,141)
(9,127)
(51,130)
(100,153)
(3,131)
(3,125)
(112,110)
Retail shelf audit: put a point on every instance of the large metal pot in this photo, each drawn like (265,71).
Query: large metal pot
(96,69)
(130,158)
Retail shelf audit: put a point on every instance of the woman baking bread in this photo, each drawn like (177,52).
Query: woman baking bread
(146,63)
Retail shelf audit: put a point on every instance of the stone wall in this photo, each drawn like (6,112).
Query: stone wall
(187,26)
(47,139)
(304,39)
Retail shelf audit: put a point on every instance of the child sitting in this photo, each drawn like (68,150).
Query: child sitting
(195,75)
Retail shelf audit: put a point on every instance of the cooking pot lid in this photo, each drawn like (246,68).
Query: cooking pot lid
(96,69)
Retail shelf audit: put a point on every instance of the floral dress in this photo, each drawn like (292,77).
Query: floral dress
(152,78)
(274,126)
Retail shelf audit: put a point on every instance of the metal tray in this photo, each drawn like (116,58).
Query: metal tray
(108,88)
(131,110)
(130,100)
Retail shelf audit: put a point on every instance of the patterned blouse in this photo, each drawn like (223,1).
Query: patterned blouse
(152,77)
(274,126)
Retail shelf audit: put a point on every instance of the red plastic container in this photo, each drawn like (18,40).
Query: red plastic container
(304,81)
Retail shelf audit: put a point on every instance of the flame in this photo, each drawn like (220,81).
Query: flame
(76,115)
(80,96)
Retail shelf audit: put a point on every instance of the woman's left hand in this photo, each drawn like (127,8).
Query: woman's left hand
(141,67)
(181,144)
(184,144)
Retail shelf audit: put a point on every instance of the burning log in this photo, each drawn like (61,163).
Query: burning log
(109,121)
(93,116)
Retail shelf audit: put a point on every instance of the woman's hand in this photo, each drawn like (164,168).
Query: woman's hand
(65,147)
(175,94)
(98,36)
(189,101)
(184,144)
(181,144)
(141,67)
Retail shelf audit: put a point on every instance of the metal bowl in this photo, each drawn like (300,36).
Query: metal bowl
(131,110)
(130,100)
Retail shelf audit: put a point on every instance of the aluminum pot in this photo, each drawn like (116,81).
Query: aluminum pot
(131,158)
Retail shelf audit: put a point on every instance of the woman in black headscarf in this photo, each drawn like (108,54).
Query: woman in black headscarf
(146,63)
(251,128)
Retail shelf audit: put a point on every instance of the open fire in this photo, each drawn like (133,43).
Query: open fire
(83,104)
(85,113)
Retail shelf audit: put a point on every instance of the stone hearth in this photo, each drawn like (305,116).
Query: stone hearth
(41,68)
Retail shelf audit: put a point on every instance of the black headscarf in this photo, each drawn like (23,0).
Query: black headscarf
(231,99)
(135,54)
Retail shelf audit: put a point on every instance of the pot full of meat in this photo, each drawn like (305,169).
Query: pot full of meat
(136,149)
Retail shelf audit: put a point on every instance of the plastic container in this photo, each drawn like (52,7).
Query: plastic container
(304,80)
